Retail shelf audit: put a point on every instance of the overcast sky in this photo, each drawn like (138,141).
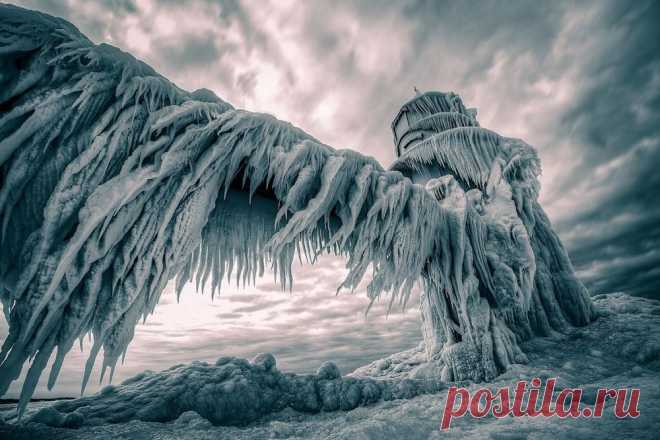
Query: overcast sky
(579,81)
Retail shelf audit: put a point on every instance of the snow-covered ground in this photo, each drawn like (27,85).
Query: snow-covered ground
(619,350)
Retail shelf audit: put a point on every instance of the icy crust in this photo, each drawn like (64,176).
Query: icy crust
(411,363)
(231,392)
(127,181)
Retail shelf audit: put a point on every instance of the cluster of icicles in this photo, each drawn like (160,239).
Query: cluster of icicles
(113,182)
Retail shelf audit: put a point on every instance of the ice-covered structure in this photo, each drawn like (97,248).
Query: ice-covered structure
(113,181)
(501,274)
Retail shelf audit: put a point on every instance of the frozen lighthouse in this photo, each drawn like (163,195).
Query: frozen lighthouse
(502,274)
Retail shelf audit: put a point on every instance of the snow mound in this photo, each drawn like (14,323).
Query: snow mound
(232,391)
(396,366)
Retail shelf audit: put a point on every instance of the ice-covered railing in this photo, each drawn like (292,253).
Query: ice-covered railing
(445,121)
(431,125)
(429,113)
(467,151)
(113,182)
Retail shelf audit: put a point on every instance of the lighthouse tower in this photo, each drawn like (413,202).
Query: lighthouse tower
(503,276)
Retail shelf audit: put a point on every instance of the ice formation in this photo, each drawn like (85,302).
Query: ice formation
(232,391)
(114,181)
(501,275)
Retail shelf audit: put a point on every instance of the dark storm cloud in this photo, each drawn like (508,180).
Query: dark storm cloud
(53,7)
(488,27)
(189,51)
(120,6)
(246,82)
(621,97)
(233,11)
(615,123)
